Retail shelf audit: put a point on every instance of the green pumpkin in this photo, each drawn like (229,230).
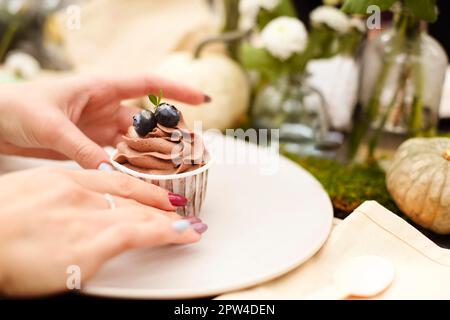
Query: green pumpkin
(419,181)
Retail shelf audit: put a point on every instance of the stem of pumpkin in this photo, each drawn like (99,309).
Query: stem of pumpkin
(226,37)
(446,155)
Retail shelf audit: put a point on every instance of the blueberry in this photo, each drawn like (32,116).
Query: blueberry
(144,122)
(167,115)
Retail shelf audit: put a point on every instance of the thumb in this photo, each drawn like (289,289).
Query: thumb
(77,146)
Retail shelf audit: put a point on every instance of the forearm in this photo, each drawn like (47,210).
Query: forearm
(11,261)
(2,283)
(3,241)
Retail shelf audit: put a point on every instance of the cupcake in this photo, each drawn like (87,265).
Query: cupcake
(158,148)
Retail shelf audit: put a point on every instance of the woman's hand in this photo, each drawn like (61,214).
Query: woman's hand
(53,218)
(72,118)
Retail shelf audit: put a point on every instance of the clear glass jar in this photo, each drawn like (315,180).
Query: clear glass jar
(298,110)
(403,72)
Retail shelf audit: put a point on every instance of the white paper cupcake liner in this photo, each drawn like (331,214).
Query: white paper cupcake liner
(191,184)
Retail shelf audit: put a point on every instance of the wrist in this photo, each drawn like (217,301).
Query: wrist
(4,230)
(2,286)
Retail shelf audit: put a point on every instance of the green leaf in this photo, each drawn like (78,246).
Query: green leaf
(153,99)
(284,8)
(160,96)
(323,43)
(156,100)
(259,59)
(360,6)
(423,9)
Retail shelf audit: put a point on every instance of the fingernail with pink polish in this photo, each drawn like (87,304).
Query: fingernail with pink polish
(177,200)
(200,227)
(193,220)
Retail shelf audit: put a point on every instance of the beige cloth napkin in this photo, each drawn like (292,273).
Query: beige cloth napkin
(422,269)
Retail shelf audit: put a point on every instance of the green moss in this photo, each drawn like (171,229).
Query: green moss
(348,185)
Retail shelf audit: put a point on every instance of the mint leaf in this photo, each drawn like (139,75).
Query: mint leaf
(360,6)
(153,99)
(423,9)
(160,96)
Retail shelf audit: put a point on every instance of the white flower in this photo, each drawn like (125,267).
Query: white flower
(331,17)
(249,9)
(284,36)
(358,24)
(22,64)
(14,7)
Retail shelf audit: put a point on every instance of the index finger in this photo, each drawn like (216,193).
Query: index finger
(136,86)
(122,185)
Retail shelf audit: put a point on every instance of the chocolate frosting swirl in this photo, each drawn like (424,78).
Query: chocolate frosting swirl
(162,151)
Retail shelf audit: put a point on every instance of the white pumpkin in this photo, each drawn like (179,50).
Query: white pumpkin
(219,77)
(419,181)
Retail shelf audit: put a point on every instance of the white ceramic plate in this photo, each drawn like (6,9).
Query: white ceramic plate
(260,227)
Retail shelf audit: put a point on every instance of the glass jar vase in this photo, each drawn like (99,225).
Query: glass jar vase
(403,72)
(298,110)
